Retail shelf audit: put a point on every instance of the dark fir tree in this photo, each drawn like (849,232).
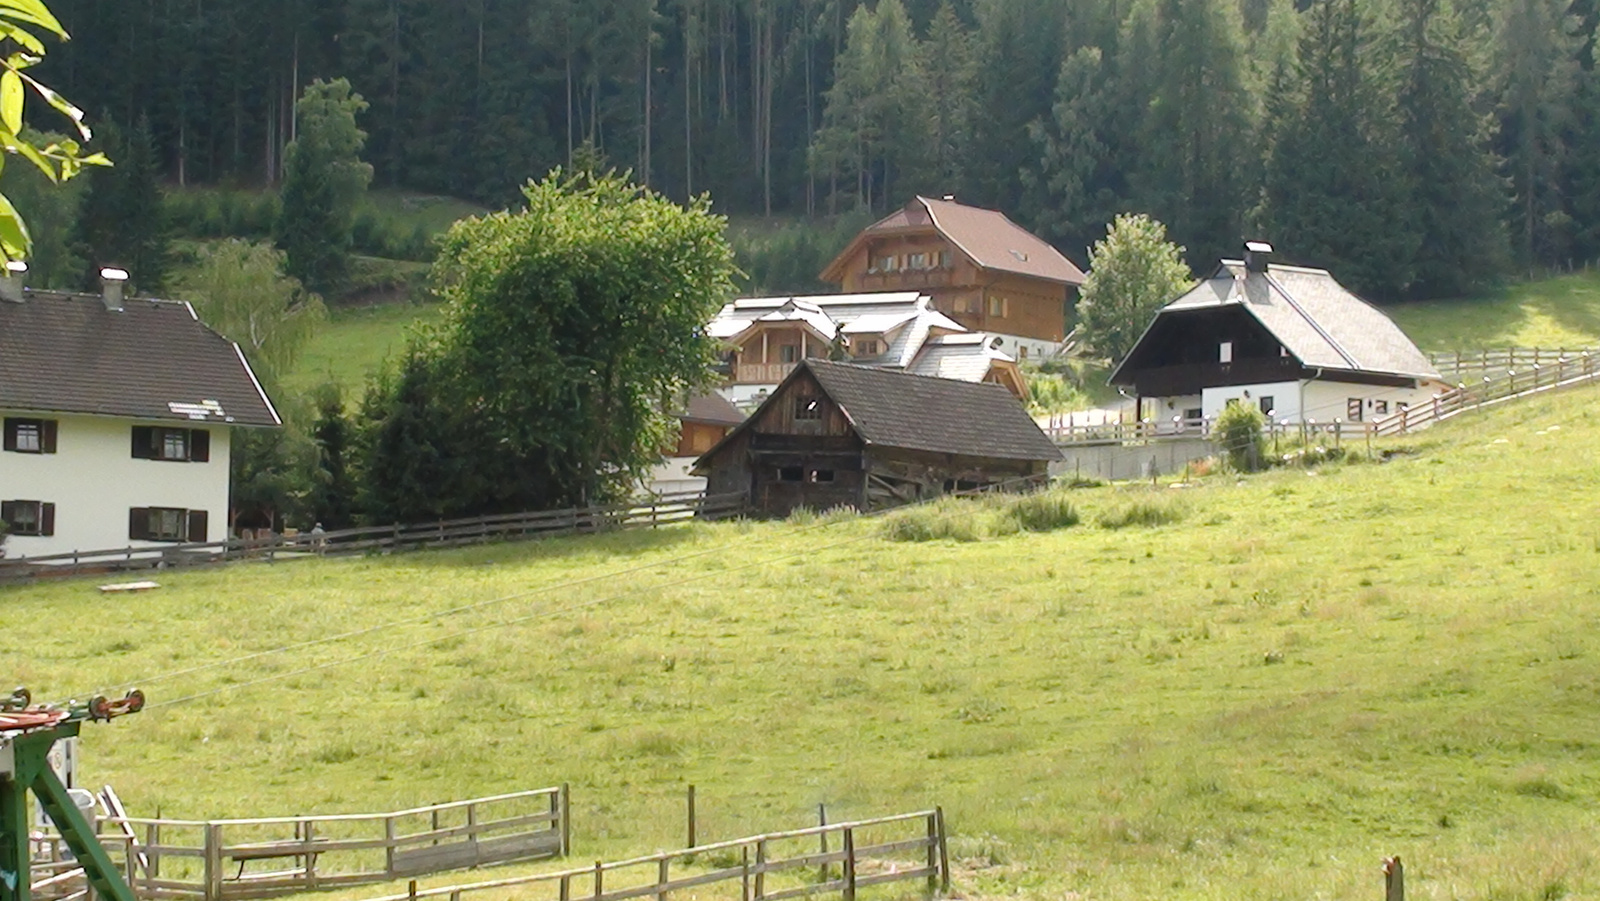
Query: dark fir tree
(1076,186)
(1536,62)
(1020,44)
(332,499)
(122,220)
(1454,200)
(323,183)
(1332,180)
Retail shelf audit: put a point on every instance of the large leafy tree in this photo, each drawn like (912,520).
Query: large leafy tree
(240,289)
(572,325)
(324,181)
(1133,272)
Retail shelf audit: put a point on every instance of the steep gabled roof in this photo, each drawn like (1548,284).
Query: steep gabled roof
(988,237)
(153,359)
(894,409)
(967,357)
(1317,320)
(711,407)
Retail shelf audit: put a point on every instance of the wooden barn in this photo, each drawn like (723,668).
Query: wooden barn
(834,434)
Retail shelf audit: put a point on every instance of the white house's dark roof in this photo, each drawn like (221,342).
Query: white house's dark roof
(1319,321)
(152,359)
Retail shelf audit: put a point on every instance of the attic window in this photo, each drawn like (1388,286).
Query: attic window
(867,347)
(943,258)
(1021,257)
(806,407)
(1225,352)
(917,261)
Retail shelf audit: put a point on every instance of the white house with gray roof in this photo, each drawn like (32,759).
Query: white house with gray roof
(117,414)
(767,337)
(1289,340)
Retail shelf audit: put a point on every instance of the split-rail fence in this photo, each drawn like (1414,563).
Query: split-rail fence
(383,539)
(240,859)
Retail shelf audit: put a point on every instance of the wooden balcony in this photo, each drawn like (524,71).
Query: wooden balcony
(761,373)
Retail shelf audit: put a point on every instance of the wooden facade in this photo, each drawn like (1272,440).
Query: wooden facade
(800,449)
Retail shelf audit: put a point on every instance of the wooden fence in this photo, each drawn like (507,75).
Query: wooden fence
(1472,365)
(228,860)
(1519,381)
(367,539)
(840,857)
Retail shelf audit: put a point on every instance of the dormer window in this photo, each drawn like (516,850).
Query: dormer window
(1225,352)
(867,347)
(943,257)
(917,261)
(889,263)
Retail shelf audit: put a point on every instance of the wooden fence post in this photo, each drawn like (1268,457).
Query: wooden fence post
(213,862)
(310,857)
(761,870)
(744,867)
(849,864)
(411,890)
(599,874)
(566,820)
(661,879)
(933,853)
(388,846)
(822,837)
(689,801)
(1394,879)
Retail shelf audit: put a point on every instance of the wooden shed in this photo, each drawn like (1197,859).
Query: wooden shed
(834,434)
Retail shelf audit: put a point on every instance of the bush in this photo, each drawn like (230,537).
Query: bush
(1239,430)
(956,521)
(1044,511)
(1147,511)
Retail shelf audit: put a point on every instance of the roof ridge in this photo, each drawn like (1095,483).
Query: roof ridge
(1312,321)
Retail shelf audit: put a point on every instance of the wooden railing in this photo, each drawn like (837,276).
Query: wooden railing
(213,859)
(762,373)
(1561,372)
(365,539)
(1458,366)
(842,857)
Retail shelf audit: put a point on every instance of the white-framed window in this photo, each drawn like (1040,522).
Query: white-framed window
(1380,407)
(1225,352)
(166,524)
(868,347)
(890,263)
(30,436)
(997,307)
(171,444)
(943,258)
(1268,406)
(1352,409)
(917,261)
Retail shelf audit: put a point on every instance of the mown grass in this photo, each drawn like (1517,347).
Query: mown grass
(1311,669)
(354,342)
(1555,312)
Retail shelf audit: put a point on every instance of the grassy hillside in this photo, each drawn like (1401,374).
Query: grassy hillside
(1308,671)
(1556,312)
(355,341)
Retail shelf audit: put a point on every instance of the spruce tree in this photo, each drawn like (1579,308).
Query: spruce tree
(1536,62)
(1076,185)
(1331,192)
(122,220)
(1454,200)
(324,181)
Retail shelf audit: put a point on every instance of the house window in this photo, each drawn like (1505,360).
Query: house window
(30,436)
(166,524)
(789,353)
(165,443)
(917,261)
(997,307)
(1401,405)
(28,517)
(867,347)
(1022,351)
(1194,414)
(888,263)
(790,473)
(821,475)
(1380,407)
(1225,352)
(806,407)
(1267,405)
(1352,409)
(944,259)
(968,305)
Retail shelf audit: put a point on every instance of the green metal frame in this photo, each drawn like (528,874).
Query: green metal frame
(31,772)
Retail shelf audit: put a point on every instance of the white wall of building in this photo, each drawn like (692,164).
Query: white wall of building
(671,476)
(1037,348)
(94,480)
(746,396)
(1297,401)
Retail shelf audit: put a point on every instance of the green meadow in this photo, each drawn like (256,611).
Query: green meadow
(1554,312)
(1241,688)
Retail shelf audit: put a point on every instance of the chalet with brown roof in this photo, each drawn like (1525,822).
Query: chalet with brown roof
(837,434)
(117,416)
(981,269)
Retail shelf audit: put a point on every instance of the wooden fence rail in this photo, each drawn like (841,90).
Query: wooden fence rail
(1472,365)
(367,539)
(1522,381)
(770,867)
(232,860)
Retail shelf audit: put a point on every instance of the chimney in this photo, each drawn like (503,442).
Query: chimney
(111,284)
(1256,255)
(11,282)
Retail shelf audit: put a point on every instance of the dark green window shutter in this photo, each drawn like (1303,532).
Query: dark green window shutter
(197,525)
(47,518)
(139,523)
(11,434)
(47,436)
(200,445)
(144,442)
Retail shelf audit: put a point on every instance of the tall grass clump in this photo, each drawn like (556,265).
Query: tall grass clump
(1153,510)
(1043,512)
(953,520)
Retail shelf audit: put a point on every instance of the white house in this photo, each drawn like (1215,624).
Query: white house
(116,421)
(1289,340)
(767,337)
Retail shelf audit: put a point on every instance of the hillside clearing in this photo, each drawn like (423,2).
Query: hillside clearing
(1307,671)
(1554,312)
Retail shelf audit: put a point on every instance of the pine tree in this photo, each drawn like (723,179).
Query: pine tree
(1454,201)
(1076,185)
(1020,44)
(1537,62)
(1331,190)
(122,221)
(323,182)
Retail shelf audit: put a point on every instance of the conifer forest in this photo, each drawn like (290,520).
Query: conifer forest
(1415,147)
